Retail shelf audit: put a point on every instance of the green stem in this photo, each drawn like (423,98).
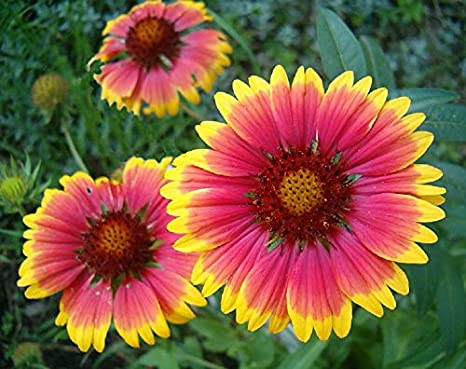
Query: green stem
(72,147)
(191,112)
(92,118)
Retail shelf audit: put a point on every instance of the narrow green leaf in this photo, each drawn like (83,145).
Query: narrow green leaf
(228,28)
(447,122)
(420,358)
(10,233)
(405,336)
(378,65)
(456,361)
(4,259)
(339,49)
(305,356)
(424,280)
(455,227)
(451,300)
(424,98)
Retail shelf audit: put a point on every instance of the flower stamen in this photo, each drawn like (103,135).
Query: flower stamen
(302,196)
(153,41)
(116,244)
(300,192)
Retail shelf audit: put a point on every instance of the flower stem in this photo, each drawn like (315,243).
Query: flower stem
(72,147)
(191,112)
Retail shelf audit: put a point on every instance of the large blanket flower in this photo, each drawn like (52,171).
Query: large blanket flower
(152,54)
(104,243)
(306,201)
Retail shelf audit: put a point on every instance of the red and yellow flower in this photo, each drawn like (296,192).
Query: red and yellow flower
(306,200)
(104,243)
(152,55)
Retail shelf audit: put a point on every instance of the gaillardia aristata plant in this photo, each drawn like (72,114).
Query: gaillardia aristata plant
(306,200)
(153,53)
(104,243)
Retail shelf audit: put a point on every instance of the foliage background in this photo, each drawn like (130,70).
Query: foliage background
(424,46)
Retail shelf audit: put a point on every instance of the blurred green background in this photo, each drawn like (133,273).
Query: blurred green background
(424,45)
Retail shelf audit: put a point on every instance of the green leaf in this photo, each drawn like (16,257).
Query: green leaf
(339,49)
(447,122)
(424,280)
(453,180)
(163,359)
(455,226)
(10,233)
(410,341)
(210,328)
(451,300)
(420,358)
(305,356)
(261,350)
(424,98)
(456,361)
(220,344)
(257,351)
(378,65)
(455,222)
(219,337)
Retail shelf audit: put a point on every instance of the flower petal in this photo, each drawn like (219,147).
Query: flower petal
(365,277)
(306,95)
(314,297)
(174,293)
(82,187)
(251,115)
(140,180)
(263,292)
(137,312)
(229,263)
(118,80)
(387,224)
(87,311)
(186,14)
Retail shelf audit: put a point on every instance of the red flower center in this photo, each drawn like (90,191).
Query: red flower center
(302,196)
(153,41)
(116,244)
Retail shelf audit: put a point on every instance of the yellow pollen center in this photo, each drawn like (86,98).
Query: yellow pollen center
(300,192)
(114,238)
(153,41)
(149,31)
(116,244)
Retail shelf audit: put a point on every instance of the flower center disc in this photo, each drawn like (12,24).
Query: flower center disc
(302,196)
(300,192)
(153,41)
(116,244)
